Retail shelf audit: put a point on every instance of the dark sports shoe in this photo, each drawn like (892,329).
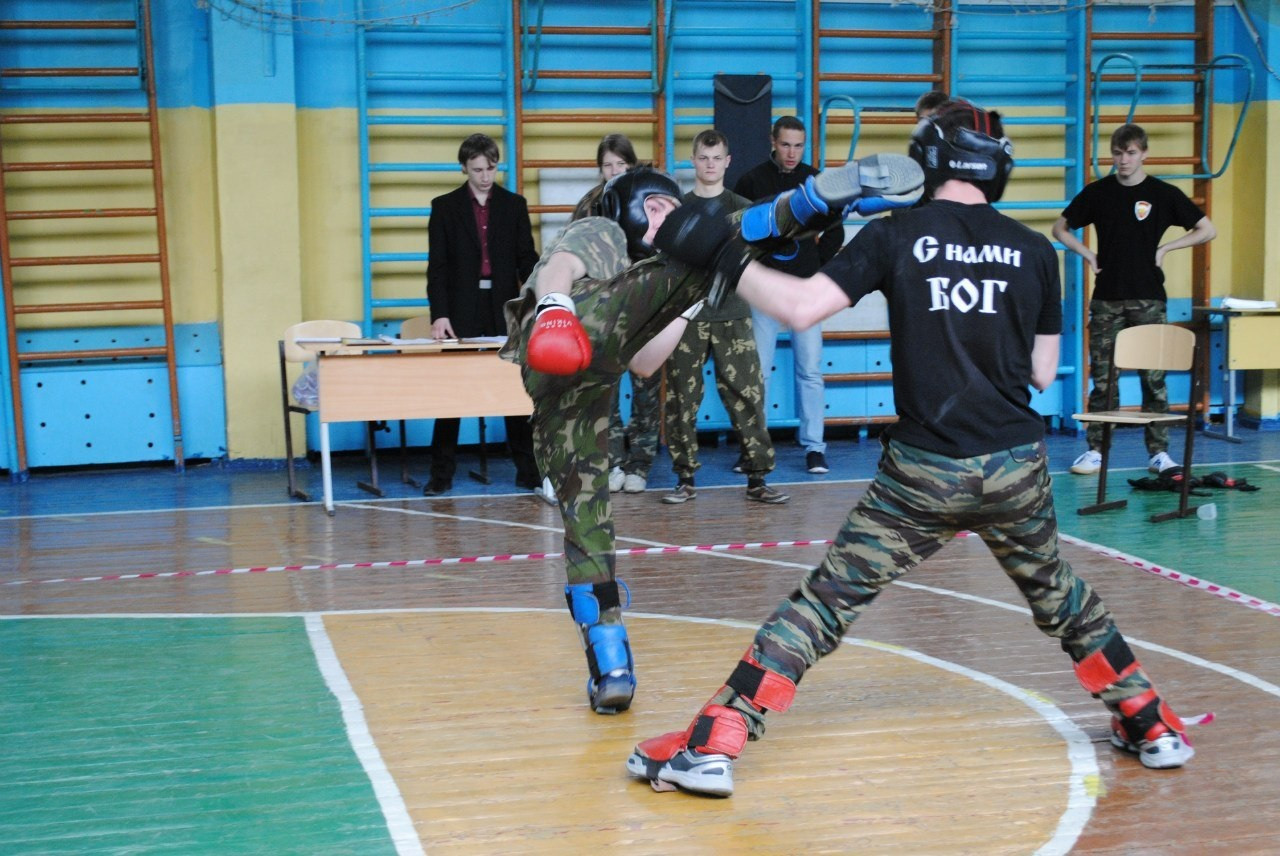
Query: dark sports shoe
(437,486)
(682,493)
(740,466)
(816,463)
(764,493)
(893,177)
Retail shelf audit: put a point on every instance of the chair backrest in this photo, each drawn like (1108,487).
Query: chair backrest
(1155,346)
(323,329)
(417,327)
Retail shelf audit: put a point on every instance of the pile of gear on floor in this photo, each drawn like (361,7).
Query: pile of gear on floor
(1171,480)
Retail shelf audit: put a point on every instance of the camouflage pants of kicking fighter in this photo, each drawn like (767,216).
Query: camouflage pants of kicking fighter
(571,413)
(739,382)
(633,445)
(1106,319)
(917,503)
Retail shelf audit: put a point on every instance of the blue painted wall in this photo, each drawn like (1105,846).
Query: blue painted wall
(73,421)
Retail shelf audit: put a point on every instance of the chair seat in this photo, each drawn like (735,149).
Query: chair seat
(1163,347)
(1129,417)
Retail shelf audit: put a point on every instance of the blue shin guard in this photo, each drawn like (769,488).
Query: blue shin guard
(612,683)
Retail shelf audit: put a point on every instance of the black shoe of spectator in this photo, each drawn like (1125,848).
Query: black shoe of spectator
(436,486)
(527,482)
(816,463)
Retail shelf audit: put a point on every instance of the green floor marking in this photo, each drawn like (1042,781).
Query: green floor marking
(191,736)
(1238,549)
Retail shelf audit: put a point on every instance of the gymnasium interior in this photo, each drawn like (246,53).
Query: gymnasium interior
(208,645)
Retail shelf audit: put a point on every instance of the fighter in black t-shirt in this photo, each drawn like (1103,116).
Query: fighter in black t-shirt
(975,315)
(974,289)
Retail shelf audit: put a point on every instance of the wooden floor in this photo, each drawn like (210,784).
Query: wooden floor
(403,677)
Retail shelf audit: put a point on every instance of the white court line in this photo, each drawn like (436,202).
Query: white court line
(1192,659)
(399,824)
(1082,784)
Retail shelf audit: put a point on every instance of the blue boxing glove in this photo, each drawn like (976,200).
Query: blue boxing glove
(869,186)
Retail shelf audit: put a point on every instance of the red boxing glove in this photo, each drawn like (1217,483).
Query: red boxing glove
(558,344)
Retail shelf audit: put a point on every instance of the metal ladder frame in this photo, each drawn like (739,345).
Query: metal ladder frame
(144,72)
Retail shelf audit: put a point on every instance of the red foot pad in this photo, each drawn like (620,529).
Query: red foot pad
(662,747)
(1146,716)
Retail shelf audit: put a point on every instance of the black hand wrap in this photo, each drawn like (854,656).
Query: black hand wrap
(701,235)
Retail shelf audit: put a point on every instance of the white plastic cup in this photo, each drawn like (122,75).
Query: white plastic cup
(1208,511)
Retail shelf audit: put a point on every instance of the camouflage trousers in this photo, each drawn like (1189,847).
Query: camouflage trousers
(917,503)
(1106,319)
(633,445)
(739,382)
(571,413)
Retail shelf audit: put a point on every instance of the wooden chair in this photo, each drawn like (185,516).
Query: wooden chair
(1149,346)
(292,352)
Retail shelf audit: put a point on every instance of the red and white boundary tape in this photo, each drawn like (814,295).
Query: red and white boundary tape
(422,563)
(1212,588)
(1224,592)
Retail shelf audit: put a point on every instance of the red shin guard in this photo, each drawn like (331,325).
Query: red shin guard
(1107,665)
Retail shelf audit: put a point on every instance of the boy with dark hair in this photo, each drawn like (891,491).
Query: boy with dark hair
(1130,212)
(725,333)
(786,170)
(481,249)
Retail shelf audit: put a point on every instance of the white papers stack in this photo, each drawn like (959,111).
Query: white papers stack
(1242,303)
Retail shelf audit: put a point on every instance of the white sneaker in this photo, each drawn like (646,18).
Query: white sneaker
(1088,463)
(547,493)
(617,478)
(1163,750)
(634,483)
(1160,462)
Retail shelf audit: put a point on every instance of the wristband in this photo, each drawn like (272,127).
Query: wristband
(692,312)
(557,300)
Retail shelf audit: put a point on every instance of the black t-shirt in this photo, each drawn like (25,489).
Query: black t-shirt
(968,291)
(1129,222)
(767,180)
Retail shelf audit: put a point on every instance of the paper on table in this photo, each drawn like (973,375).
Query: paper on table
(1243,303)
(483,340)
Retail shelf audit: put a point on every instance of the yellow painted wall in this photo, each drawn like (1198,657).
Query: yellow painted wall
(255,158)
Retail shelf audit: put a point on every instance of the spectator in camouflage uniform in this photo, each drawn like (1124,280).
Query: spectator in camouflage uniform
(632,445)
(1130,212)
(725,332)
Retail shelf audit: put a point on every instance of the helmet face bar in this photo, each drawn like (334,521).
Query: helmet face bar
(973,154)
(623,202)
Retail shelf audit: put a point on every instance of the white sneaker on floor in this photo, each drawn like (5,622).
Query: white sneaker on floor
(634,483)
(1160,462)
(547,493)
(617,479)
(1088,463)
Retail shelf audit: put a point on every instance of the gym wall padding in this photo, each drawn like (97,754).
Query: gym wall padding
(744,114)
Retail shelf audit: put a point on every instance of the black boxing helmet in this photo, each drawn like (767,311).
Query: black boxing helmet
(622,201)
(964,142)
